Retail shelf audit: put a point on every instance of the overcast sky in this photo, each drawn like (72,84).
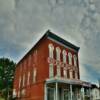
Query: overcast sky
(23,22)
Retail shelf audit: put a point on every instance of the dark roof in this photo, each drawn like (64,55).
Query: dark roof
(55,37)
(59,39)
(94,86)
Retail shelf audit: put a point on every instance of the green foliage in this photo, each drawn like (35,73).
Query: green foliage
(7,68)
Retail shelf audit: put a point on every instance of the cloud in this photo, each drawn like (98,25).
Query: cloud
(23,22)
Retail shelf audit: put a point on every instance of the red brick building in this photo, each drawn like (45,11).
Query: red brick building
(50,71)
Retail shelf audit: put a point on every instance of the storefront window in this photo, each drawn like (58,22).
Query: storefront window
(66,95)
(50,95)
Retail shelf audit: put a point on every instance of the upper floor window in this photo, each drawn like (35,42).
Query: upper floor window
(64,55)
(28,78)
(70,58)
(58,53)
(51,48)
(34,75)
(19,82)
(75,60)
(23,80)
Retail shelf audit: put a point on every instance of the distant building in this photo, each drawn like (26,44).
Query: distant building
(95,92)
(50,71)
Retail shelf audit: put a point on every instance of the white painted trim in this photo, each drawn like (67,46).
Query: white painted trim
(61,44)
(45,91)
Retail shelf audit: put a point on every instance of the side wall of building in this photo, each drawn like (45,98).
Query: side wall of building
(32,71)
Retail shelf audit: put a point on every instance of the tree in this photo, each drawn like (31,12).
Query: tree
(7,68)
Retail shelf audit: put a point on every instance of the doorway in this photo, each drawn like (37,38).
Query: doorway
(51,94)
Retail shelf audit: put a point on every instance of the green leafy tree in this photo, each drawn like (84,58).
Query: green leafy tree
(7,68)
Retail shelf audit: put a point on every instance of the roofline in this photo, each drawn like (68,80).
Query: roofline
(51,35)
(63,41)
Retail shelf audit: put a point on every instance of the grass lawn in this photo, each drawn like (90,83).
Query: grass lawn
(2,98)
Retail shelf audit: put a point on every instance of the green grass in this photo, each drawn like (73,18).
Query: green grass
(2,98)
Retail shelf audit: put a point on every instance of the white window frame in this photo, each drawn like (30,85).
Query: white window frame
(64,56)
(75,60)
(28,78)
(70,58)
(19,82)
(58,51)
(64,61)
(23,80)
(51,49)
(71,74)
(51,55)
(34,74)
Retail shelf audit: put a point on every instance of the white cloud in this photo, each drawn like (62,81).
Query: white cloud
(75,20)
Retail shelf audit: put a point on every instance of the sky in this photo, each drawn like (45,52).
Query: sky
(23,22)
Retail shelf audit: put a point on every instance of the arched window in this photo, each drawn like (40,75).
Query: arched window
(70,58)
(64,61)
(34,75)
(19,82)
(23,80)
(51,49)
(75,60)
(28,78)
(51,55)
(64,55)
(58,53)
(76,75)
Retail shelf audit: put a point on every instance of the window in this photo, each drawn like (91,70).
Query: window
(71,74)
(64,61)
(58,59)
(14,93)
(19,82)
(50,94)
(51,69)
(23,80)
(68,74)
(28,78)
(75,60)
(58,53)
(64,56)
(70,58)
(51,49)
(34,75)
(76,75)
(65,72)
